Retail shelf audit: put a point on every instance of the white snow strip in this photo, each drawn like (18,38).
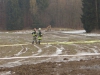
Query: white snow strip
(19,53)
(81,32)
(59,50)
(23,32)
(43,56)
(14,45)
(95,51)
(75,32)
(39,50)
(12,64)
(93,67)
(5,73)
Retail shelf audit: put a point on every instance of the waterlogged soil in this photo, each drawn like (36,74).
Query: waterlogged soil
(82,67)
(48,59)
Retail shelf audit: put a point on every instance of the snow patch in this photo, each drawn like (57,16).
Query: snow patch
(39,50)
(93,67)
(81,32)
(12,64)
(75,32)
(5,73)
(59,50)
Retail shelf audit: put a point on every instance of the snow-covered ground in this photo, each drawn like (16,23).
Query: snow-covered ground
(81,32)
(26,53)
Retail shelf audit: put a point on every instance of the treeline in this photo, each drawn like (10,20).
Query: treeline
(22,14)
(18,13)
(91,15)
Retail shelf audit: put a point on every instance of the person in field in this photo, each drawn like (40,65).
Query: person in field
(34,34)
(39,36)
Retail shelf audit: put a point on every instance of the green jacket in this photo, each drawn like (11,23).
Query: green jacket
(39,35)
(34,33)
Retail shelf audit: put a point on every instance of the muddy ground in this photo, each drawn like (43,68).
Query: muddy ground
(86,67)
(75,57)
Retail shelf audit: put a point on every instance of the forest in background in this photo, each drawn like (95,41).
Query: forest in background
(25,14)
(91,15)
